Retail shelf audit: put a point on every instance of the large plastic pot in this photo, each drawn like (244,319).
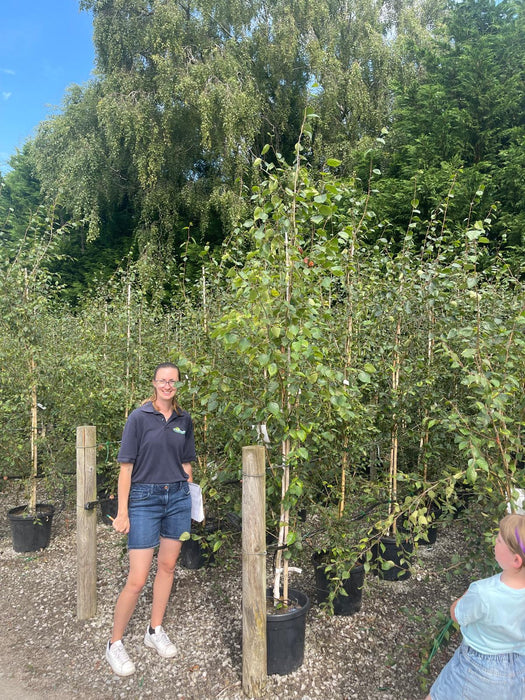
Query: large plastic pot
(353,586)
(31,532)
(397,553)
(285,632)
(108,507)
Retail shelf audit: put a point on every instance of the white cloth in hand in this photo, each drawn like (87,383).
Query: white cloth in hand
(197,508)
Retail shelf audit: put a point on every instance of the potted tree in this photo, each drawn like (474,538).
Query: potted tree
(393,547)
(276,328)
(485,417)
(25,287)
(279,326)
(339,559)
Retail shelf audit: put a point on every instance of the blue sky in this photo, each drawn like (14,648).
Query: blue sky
(45,45)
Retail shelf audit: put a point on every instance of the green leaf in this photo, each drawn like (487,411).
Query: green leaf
(274,408)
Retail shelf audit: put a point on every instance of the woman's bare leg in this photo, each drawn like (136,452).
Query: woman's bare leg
(169,551)
(139,566)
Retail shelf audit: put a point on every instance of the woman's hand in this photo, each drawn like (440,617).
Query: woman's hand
(121,524)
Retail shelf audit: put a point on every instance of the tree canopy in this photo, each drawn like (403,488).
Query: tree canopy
(154,154)
(466,112)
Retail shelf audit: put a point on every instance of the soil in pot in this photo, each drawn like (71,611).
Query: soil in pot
(285,631)
(353,586)
(397,554)
(31,532)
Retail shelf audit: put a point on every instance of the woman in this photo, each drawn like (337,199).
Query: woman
(154,508)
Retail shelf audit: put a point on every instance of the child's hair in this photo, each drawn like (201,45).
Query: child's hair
(152,398)
(512,529)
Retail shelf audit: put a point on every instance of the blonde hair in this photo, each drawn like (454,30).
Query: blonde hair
(153,397)
(512,529)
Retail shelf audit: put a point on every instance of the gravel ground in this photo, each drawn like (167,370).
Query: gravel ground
(47,653)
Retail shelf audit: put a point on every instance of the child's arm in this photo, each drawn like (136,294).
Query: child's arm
(453,608)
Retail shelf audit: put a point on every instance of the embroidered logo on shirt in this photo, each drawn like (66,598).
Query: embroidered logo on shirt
(178,430)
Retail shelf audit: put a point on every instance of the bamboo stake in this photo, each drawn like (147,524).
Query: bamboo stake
(281,563)
(395,425)
(348,362)
(34,437)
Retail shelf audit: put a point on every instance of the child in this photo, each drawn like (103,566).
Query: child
(490,663)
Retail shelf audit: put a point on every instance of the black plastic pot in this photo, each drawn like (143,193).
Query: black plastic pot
(194,556)
(463,498)
(108,507)
(435,513)
(388,549)
(31,532)
(285,631)
(432,531)
(431,536)
(353,586)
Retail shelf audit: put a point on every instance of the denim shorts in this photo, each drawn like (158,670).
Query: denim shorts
(158,510)
(470,675)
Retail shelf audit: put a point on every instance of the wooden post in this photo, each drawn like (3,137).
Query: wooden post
(253,571)
(86,522)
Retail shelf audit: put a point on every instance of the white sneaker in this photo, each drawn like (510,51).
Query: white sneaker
(118,659)
(160,641)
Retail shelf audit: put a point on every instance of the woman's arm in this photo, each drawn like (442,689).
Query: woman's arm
(188,469)
(121,522)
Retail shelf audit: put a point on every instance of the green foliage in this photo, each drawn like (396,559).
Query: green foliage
(183,101)
(445,631)
(351,346)
(463,114)
(488,422)
(27,292)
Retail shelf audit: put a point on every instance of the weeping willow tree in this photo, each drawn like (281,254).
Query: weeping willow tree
(186,95)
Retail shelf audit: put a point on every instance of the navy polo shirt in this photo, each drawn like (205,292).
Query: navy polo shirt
(157,447)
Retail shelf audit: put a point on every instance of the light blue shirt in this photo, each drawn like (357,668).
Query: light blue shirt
(492,617)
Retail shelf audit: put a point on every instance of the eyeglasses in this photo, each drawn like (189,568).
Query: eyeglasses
(163,382)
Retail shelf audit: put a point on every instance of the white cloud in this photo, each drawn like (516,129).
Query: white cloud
(7,71)
(6,95)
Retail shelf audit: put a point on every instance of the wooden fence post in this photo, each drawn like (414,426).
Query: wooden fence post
(253,571)
(86,522)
